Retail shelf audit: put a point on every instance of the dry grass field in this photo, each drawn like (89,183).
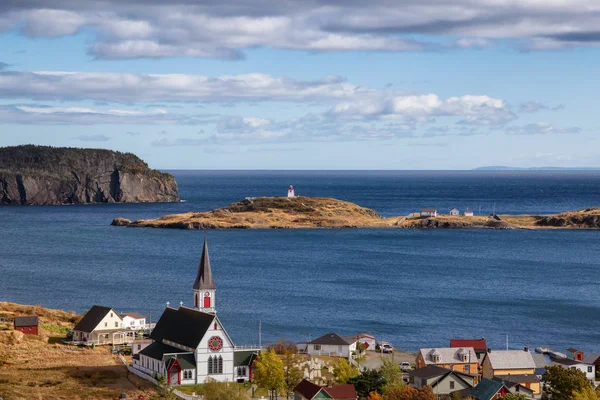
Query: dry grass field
(39,367)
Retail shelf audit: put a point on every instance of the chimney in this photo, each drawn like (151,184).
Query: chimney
(526,348)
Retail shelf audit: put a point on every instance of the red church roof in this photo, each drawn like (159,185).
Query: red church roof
(476,344)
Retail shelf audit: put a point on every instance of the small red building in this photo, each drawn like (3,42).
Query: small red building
(479,345)
(28,325)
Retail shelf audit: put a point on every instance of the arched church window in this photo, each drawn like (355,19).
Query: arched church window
(210,365)
(196,300)
(220,365)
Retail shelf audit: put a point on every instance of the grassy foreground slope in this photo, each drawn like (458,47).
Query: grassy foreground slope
(309,212)
(39,367)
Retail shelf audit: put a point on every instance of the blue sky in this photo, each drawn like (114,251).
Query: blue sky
(306,85)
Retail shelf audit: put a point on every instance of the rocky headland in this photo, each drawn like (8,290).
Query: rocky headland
(309,212)
(40,175)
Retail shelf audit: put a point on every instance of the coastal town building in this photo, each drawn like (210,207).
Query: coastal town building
(468,213)
(330,344)
(575,354)
(133,320)
(101,325)
(443,381)
(515,387)
(487,389)
(429,212)
(190,345)
(479,345)
(588,369)
(518,364)
(454,212)
(365,338)
(27,324)
(463,359)
(306,390)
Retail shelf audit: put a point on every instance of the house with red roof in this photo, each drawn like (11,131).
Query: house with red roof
(479,345)
(306,390)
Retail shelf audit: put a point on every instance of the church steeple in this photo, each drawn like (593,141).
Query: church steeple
(204,286)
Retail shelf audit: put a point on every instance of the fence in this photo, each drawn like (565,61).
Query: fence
(151,379)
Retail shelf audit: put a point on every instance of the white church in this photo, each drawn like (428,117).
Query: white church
(190,345)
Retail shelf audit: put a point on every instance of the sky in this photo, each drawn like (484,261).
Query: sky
(306,84)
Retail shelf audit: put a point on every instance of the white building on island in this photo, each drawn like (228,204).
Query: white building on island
(190,345)
(291,192)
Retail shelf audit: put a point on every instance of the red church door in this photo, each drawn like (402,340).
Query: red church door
(206,302)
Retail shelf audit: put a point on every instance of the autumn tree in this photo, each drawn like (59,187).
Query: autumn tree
(343,371)
(269,373)
(282,346)
(511,396)
(587,393)
(213,390)
(391,372)
(560,383)
(292,373)
(374,396)
(406,392)
(370,380)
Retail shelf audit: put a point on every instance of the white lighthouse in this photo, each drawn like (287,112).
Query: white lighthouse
(291,191)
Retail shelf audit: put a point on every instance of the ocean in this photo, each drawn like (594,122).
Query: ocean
(413,288)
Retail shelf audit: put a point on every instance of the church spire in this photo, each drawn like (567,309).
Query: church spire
(204,280)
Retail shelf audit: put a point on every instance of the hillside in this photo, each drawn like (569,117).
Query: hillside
(308,212)
(41,175)
(40,367)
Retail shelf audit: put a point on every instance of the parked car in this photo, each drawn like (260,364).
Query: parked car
(386,348)
(405,366)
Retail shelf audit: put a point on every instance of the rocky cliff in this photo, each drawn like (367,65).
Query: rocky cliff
(39,175)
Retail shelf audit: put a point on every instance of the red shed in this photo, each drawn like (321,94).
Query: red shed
(479,345)
(28,325)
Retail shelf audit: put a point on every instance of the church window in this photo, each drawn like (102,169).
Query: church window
(187,374)
(215,326)
(196,300)
(206,302)
(210,365)
(220,365)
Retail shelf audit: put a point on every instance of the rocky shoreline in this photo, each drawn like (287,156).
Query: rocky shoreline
(307,212)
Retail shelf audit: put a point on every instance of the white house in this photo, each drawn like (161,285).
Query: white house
(588,369)
(468,213)
(134,320)
(101,325)
(429,212)
(330,344)
(454,211)
(190,345)
(367,339)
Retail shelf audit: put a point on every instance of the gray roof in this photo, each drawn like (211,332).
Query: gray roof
(157,350)
(26,321)
(449,355)
(511,359)
(591,358)
(330,339)
(244,357)
(568,361)
(204,280)
(520,378)
(540,360)
(92,318)
(183,326)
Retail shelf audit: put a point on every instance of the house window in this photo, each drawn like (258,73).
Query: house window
(139,346)
(590,369)
(106,324)
(132,323)
(116,324)
(187,374)
(316,346)
(451,385)
(111,315)
(467,368)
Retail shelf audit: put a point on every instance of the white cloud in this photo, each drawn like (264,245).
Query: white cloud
(534,106)
(540,128)
(223,29)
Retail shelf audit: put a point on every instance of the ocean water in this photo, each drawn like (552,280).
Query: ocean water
(414,288)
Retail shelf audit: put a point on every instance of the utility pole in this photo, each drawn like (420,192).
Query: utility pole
(259,334)
(507,341)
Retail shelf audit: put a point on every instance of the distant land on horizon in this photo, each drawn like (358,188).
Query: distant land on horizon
(505,168)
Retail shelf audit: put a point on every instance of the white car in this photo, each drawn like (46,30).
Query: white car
(405,366)
(386,348)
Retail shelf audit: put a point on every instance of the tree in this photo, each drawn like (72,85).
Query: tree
(213,390)
(283,346)
(560,383)
(392,374)
(409,393)
(587,393)
(343,371)
(163,389)
(512,396)
(370,380)
(374,396)
(269,373)
(292,374)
